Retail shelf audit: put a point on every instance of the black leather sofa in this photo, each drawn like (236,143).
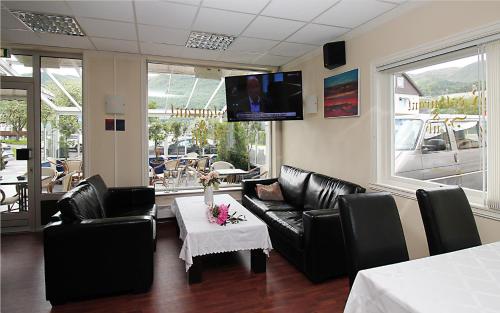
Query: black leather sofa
(100,243)
(305,228)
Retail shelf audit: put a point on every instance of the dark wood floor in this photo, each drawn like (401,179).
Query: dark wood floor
(228,285)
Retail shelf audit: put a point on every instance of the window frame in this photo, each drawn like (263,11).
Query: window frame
(383,87)
(144,118)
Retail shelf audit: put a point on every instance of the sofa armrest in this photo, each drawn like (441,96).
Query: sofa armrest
(324,252)
(129,198)
(249,185)
(97,257)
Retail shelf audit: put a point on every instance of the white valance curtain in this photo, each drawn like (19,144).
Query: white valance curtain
(492,71)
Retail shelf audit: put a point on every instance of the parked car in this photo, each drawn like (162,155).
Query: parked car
(187,145)
(430,148)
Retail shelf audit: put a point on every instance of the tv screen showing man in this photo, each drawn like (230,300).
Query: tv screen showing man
(264,97)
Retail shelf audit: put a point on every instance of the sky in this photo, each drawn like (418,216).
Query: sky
(456,63)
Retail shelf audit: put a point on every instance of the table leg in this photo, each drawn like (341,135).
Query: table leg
(258,261)
(194,272)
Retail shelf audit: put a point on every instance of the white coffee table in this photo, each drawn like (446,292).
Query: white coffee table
(200,237)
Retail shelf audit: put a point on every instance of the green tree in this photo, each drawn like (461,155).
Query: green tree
(158,130)
(73,87)
(14,113)
(152,104)
(238,154)
(68,125)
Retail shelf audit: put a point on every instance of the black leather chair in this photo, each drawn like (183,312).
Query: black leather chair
(448,220)
(101,243)
(305,228)
(372,231)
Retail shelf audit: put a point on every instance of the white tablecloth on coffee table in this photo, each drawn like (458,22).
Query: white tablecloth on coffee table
(201,237)
(465,281)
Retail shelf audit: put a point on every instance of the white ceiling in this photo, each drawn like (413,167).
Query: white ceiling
(269,32)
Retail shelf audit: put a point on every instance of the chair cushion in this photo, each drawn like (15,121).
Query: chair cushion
(147,209)
(293,183)
(260,207)
(322,192)
(287,223)
(100,187)
(79,204)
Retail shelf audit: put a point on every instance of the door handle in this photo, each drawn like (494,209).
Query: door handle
(455,156)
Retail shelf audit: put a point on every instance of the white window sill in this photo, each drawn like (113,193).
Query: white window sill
(409,193)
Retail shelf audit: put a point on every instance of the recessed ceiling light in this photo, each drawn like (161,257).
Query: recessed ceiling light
(209,41)
(49,23)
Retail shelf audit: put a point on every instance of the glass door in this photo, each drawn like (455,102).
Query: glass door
(17,206)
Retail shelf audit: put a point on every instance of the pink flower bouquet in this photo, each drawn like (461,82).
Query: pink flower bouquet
(210,180)
(219,214)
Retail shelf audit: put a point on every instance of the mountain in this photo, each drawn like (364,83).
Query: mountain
(446,80)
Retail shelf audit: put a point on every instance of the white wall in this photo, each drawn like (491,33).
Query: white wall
(343,147)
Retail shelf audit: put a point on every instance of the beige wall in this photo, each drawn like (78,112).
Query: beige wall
(101,77)
(343,147)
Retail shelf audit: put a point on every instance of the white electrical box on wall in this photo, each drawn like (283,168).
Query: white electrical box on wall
(115,105)
(311,104)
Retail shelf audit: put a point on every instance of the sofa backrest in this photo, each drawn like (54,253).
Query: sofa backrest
(293,182)
(322,192)
(100,187)
(79,204)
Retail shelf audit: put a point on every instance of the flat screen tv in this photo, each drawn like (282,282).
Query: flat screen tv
(264,97)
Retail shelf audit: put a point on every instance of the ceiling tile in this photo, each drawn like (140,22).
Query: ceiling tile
(252,44)
(297,9)
(160,49)
(353,13)
(198,54)
(115,45)
(238,57)
(9,21)
(221,22)
(112,10)
(165,14)
(190,2)
(254,6)
(289,49)
(272,28)
(317,34)
(65,41)
(108,29)
(21,36)
(162,35)
(55,7)
(274,60)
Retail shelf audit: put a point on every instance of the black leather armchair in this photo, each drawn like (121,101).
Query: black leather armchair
(372,231)
(448,220)
(305,228)
(95,250)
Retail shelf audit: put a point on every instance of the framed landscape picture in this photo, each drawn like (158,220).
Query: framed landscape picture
(341,95)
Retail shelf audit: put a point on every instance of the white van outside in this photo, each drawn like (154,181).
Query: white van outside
(444,149)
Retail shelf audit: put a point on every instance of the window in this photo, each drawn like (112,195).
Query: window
(17,65)
(61,135)
(430,142)
(443,126)
(188,132)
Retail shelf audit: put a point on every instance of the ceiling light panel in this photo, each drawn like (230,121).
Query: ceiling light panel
(209,41)
(49,23)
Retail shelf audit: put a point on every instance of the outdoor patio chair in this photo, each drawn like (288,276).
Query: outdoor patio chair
(50,180)
(201,166)
(67,181)
(221,165)
(9,201)
(74,167)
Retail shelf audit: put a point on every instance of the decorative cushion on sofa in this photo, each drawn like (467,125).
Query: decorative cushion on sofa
(293,183)
(269,192)
(79,204)
(322,192)
(100,188)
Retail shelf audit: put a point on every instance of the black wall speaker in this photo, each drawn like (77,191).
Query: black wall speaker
(334,54)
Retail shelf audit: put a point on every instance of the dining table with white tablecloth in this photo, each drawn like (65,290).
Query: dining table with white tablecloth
(464,281)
